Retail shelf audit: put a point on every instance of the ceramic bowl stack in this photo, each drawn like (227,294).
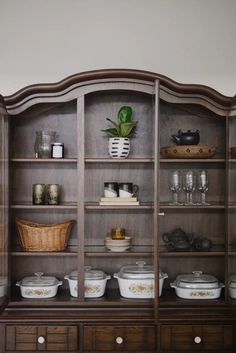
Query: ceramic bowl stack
(118,245)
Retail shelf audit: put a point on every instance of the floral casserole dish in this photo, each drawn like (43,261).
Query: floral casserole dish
(94,283)
(39,286)
(197,285)
(137,281)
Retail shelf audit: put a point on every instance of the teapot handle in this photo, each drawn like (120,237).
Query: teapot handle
(165,237)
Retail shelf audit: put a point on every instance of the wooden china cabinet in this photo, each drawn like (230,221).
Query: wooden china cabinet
(77,108)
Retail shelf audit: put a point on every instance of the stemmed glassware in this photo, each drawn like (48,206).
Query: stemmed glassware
(189,186)
(175,186)
(203,186)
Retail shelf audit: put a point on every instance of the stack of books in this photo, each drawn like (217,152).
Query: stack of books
(118,201)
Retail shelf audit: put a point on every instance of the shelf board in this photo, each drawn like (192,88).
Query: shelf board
(44,160)
(213,205)
(29,205)
(44,253)
(96,206)
(111,298)
(101,251)
(192,253)
(121,160)
(192,160)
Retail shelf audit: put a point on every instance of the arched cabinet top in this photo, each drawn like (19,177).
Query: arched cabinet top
(144,81)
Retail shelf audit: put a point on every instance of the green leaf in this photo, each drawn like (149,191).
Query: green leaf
(111,132)
(127,129)
(125,114)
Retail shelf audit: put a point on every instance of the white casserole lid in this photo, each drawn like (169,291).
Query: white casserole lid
(138,271)
(39,281)
(197,279)
(89,274)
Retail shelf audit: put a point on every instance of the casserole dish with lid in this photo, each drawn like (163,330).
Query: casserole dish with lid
(3,286)
(39,286)
(197,285)
(232,286)
(137,281)
(94,282)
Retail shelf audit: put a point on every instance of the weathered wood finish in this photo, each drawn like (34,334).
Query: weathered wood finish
(54,338)
(77,108)
(119,339)
(201,338)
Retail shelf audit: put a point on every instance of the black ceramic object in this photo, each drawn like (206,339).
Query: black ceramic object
(187,138)
(178,240)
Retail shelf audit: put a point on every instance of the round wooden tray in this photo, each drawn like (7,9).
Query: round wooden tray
(188,151)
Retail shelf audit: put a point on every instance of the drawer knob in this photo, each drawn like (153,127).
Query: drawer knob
(41,339)
(197,339)
(119,340)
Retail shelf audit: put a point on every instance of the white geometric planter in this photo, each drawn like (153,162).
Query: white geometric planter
(119,147)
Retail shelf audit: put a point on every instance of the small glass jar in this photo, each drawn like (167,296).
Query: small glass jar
(57,150)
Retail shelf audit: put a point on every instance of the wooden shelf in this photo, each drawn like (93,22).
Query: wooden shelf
(192,160)
(111,298)
(114,160)
(44,253)
(44,160)
(213,205)
(101,251)
(96,206)
(28,205)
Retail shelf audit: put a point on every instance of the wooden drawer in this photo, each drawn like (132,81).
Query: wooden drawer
(41,338)
(196,338)
(119,338)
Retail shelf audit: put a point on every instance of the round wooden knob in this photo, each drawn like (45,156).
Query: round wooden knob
(197,339)
(41,339)
(119,340)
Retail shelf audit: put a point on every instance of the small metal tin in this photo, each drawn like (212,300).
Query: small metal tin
(57,150)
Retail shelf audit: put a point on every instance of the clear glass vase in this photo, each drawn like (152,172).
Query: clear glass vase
(43,142)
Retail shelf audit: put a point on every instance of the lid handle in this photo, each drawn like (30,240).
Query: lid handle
(197,273)
(87,268)
(140,264)
(38,275)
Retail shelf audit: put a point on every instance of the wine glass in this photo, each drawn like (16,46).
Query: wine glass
(175,186)
(189,186)
(203,186)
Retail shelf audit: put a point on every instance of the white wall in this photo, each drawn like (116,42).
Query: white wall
(191,41)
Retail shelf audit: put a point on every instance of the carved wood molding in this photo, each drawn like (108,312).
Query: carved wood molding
(170,90)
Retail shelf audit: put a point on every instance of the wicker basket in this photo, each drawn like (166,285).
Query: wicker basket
(43,237)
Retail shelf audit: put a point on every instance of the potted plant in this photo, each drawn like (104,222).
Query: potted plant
(121,132)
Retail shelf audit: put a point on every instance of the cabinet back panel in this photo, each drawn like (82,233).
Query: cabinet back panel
(209,224)
(96,175)
(61,118)
(104,105)
(26,174)
(139,226)
(216,182)
(174,117)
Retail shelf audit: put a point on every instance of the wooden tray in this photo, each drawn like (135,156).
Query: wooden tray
(188,151)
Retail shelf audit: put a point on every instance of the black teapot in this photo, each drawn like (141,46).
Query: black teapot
(178,240)
(187,138)
(202,244)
